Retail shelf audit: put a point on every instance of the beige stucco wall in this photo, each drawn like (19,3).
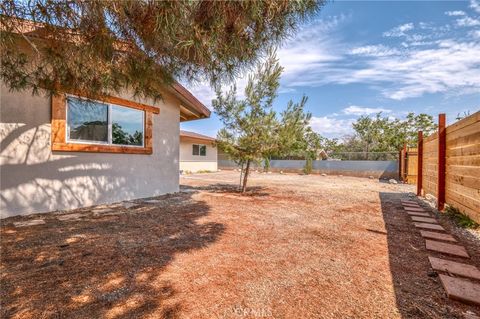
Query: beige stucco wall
(34,179)
(194,163)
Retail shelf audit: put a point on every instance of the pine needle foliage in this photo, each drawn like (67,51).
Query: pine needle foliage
(252,130)
(100,46)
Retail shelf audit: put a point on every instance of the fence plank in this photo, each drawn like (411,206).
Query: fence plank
(464,122)
(420,164)
(451,165)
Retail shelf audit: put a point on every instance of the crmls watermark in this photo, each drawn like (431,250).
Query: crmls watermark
(241,311)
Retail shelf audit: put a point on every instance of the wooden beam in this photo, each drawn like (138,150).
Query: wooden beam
(187,111)
(121,102)
(420,163)
(131,104)
(92,148)
(442,152)
(58,124)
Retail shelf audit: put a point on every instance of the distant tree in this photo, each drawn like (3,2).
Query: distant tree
(371,133)
(103,46)
(378,134)
(136,138)
(313,143)
(333,145)
(120,136)
(383,134)
(294,136)
(412,124)
(461,116)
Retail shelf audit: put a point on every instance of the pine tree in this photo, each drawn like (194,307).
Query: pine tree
(252,130)
(100,46)
(248,124)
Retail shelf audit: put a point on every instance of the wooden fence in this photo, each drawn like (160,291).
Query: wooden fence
(449,165)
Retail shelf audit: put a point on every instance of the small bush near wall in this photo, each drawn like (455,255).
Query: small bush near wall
(460,219)
(308,166)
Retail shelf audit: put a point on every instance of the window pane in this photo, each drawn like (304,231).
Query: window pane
(127,126)
(195,149)
(87,120)
(203,150)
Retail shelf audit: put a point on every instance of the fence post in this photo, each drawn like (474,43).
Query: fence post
(400,165)
(420,163)
(404,162)
(442,149)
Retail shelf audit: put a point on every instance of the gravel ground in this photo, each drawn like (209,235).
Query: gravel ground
(294,247)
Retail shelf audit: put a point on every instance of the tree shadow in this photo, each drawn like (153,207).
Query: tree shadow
(101,265)
(223,188)
(418,291)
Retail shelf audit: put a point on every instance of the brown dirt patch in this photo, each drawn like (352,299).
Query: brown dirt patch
(295,247)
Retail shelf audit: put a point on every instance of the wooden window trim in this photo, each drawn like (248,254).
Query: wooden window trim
(59,128)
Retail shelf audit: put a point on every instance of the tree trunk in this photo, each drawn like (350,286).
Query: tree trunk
(245,177)
(240,183)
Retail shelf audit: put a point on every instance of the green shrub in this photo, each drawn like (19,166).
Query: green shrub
(266,164)
(460,219)
(307,169)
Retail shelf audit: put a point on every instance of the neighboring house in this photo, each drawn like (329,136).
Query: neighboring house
(197,152)
(64,152)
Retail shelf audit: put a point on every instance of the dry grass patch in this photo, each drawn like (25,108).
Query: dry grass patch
(294,247)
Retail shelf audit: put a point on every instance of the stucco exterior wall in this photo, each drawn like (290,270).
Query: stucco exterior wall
(195,163)
(34,179)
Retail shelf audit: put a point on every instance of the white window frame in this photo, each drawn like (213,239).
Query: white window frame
(200,145)
(109,124)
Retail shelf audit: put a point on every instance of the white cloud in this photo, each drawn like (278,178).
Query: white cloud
(374,50)
(475,5)
(311,48)
(204,92)
(468,22)
(330,126)
(438,65)
(455,13)
(451,66)
(399,31)
(317,56)
(475,34)
(297,56)
(447,66)
(360,110)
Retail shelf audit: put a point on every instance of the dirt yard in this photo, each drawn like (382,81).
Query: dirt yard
(294,247)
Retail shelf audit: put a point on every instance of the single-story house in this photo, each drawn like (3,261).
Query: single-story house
(68,151)
(197,152)
(64,152)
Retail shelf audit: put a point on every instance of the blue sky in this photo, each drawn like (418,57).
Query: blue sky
(359,58)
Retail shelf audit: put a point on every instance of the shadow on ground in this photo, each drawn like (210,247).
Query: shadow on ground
(252,191)
(418,291)
(109,265)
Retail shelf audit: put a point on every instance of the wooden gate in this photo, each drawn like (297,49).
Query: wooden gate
(408,165)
